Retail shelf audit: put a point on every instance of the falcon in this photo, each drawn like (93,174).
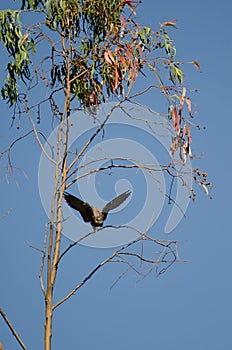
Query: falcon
(91,214)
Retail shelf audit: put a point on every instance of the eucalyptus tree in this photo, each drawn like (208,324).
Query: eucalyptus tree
(69,56)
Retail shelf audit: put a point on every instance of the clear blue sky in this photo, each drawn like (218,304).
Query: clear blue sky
(189,307)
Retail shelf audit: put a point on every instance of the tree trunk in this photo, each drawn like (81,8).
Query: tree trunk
(48,320)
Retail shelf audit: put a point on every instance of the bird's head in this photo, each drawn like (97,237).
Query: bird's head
(98,217)
(98,221)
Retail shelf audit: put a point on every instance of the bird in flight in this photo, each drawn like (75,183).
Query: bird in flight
(91,214)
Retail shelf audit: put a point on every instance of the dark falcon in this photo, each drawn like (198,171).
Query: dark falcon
(93,215)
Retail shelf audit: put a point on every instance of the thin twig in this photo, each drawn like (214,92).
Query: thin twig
(33,247)
(42,262)
(150,261)
(120,276)
(5,214)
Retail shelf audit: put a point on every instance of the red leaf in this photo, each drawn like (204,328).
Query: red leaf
(189,135)
(174,116)
(184,131)
(123,26)
(169,23)
(122,59)
(188,104)
(197,65)
(182,100)
(24,38)
(132,9)
(128,2)
(109,58)
(178,125)
(128,54)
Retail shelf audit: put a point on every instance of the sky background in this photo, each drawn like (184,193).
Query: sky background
(188,307)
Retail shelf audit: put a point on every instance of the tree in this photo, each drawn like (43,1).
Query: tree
(74,56)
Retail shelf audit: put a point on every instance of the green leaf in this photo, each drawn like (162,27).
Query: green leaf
(176,74)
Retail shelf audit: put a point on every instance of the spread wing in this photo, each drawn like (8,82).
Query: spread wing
(114,203)
(84,208)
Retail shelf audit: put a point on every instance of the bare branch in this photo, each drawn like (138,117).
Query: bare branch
(94,271)
(163,257)
(73,245)
(150,261)
(33,247)
(42,262)
(38,140)
(8,151)
(101,127)
(15,334)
